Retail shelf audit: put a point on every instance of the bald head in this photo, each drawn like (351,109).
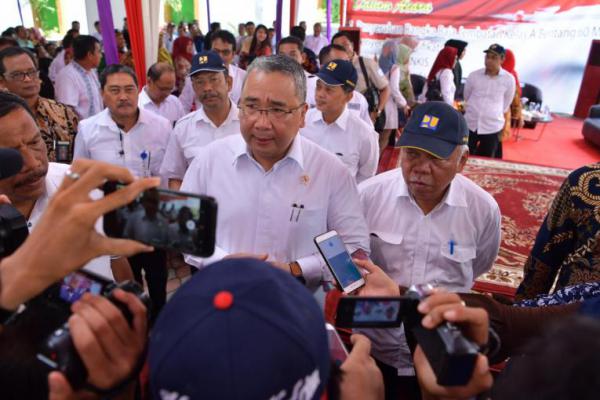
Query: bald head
(161,81)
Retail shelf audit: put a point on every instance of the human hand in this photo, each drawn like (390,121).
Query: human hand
(261,257)
(361,377)
(377,282)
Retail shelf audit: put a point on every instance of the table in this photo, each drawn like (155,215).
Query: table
(545,120)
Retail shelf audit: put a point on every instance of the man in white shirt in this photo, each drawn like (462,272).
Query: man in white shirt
(98,33)
(276,190)
(357,104)
(217,118)
(332,126)
(222,43)
(428,223)
(31,189)
(293,48)
(77,84)
(63,57)
(156,95)
(169,37)
(132,137)
(488,94)
(316,42)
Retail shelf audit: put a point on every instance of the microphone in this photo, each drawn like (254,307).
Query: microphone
(11,163)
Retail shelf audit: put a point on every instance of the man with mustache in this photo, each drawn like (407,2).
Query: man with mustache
(427,224)
(217,118)
(135,138)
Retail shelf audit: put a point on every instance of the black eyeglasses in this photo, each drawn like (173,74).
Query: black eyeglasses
(21,75)
(273,113)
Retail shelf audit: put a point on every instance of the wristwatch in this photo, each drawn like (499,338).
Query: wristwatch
(296,272)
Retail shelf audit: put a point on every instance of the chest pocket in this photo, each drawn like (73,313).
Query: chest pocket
(457,268)
(459,254)
(190,152)
(386,248)
(110,156)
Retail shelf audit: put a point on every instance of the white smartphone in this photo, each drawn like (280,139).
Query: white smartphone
(338,260)
(337,350)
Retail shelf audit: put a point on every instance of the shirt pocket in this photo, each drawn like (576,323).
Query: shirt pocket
(458,261)
(190,152)
(304,225)
(386,249)
(109,156)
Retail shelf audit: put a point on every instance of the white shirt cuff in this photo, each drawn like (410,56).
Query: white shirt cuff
(201,262)
(312,269)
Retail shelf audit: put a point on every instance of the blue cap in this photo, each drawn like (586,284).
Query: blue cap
(436,128)
(207,61)
(338,73)
(496,48)
(239,329)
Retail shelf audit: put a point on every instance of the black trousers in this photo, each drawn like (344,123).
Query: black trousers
(398,387)
(155,267)
(483,145)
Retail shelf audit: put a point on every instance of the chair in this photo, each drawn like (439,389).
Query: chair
(417,82)
(591,126)
(534,95)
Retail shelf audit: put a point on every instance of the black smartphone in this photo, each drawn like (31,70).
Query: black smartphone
(371,312)
(166,219)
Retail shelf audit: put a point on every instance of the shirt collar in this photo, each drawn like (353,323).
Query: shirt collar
(240,149)
(144,98)
(454,197)
(341,121)
(106,120)
(232,116)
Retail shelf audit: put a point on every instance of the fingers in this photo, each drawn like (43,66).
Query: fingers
(138,310)
(261,257)
(366,264)
(59,388)
(436,299)
(120,247)
(4,199)
(93,174)
(361,345)
(474,322)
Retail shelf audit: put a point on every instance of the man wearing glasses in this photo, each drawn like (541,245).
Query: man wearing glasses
(276,190)
(57,122)
(222,43)
(217,118)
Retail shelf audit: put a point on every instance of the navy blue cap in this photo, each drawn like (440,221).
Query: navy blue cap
(207,61)
(239,329)
(338,73)
(496,48)
(435,127)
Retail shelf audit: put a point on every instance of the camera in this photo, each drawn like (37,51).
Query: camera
(451,356)
(58,351)
(13,229)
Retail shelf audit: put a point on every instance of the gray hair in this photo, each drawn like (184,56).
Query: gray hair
(283,65)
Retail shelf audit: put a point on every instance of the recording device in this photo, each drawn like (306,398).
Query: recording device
(338,260)
(13,226)
(165,219)
(451,356)
(370,312)
(337,350)
(58,351)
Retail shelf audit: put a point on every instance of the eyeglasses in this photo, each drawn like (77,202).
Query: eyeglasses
(20,76)
(274,114)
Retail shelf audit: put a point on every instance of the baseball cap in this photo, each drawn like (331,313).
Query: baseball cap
(239,329)
(207,61)
(435,127)
(338,73)
(496,48)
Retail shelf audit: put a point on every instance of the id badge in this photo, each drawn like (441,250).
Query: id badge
(62,151)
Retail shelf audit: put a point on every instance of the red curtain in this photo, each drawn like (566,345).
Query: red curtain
(135,24)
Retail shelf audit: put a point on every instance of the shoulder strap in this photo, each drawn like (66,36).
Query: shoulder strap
(364,71)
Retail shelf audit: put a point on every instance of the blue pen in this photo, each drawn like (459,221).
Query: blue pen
(146,165)
(451,247)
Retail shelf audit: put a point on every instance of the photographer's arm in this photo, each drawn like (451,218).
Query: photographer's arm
(65,237)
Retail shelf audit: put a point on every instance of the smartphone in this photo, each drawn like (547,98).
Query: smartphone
(337,350)
(74,285)
(371,312)
(166,219)
(338,260)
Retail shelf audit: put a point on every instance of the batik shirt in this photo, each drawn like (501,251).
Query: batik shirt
(56,122)
(567,247)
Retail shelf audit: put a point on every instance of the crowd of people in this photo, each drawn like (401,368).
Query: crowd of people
(286,137)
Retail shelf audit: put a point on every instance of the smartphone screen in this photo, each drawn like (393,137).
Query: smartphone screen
(339,261)
(75,284)
(166,219)
(370,312)
(337,350)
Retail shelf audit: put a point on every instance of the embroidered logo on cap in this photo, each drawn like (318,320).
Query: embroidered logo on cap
(202,59)
(331,66)
(429,122)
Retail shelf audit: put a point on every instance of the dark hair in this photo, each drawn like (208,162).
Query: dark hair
(327,49)
(225,36)
(19,27)
(96,23)
(255,45)
(249,23)
(116,69)
(67,41)
(215,26)
(83,45)
(9,32)
(342,34)
(8,41)
(10,102)
(291,40)
(157,69)
(74,22)
(299,32)
(561,364)
(13,52)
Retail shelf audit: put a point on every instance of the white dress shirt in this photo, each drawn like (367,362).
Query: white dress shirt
(57,64)
(315,43)
(98,36)
(54,177)
(447,86)
(188,96)
(349,138)
(256,207)
(449,247)
(487,98)
(192,132)
(170,108)
(79,88)
(99,138)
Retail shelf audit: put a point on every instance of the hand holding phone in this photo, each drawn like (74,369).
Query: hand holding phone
(345,272)
(337,350)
